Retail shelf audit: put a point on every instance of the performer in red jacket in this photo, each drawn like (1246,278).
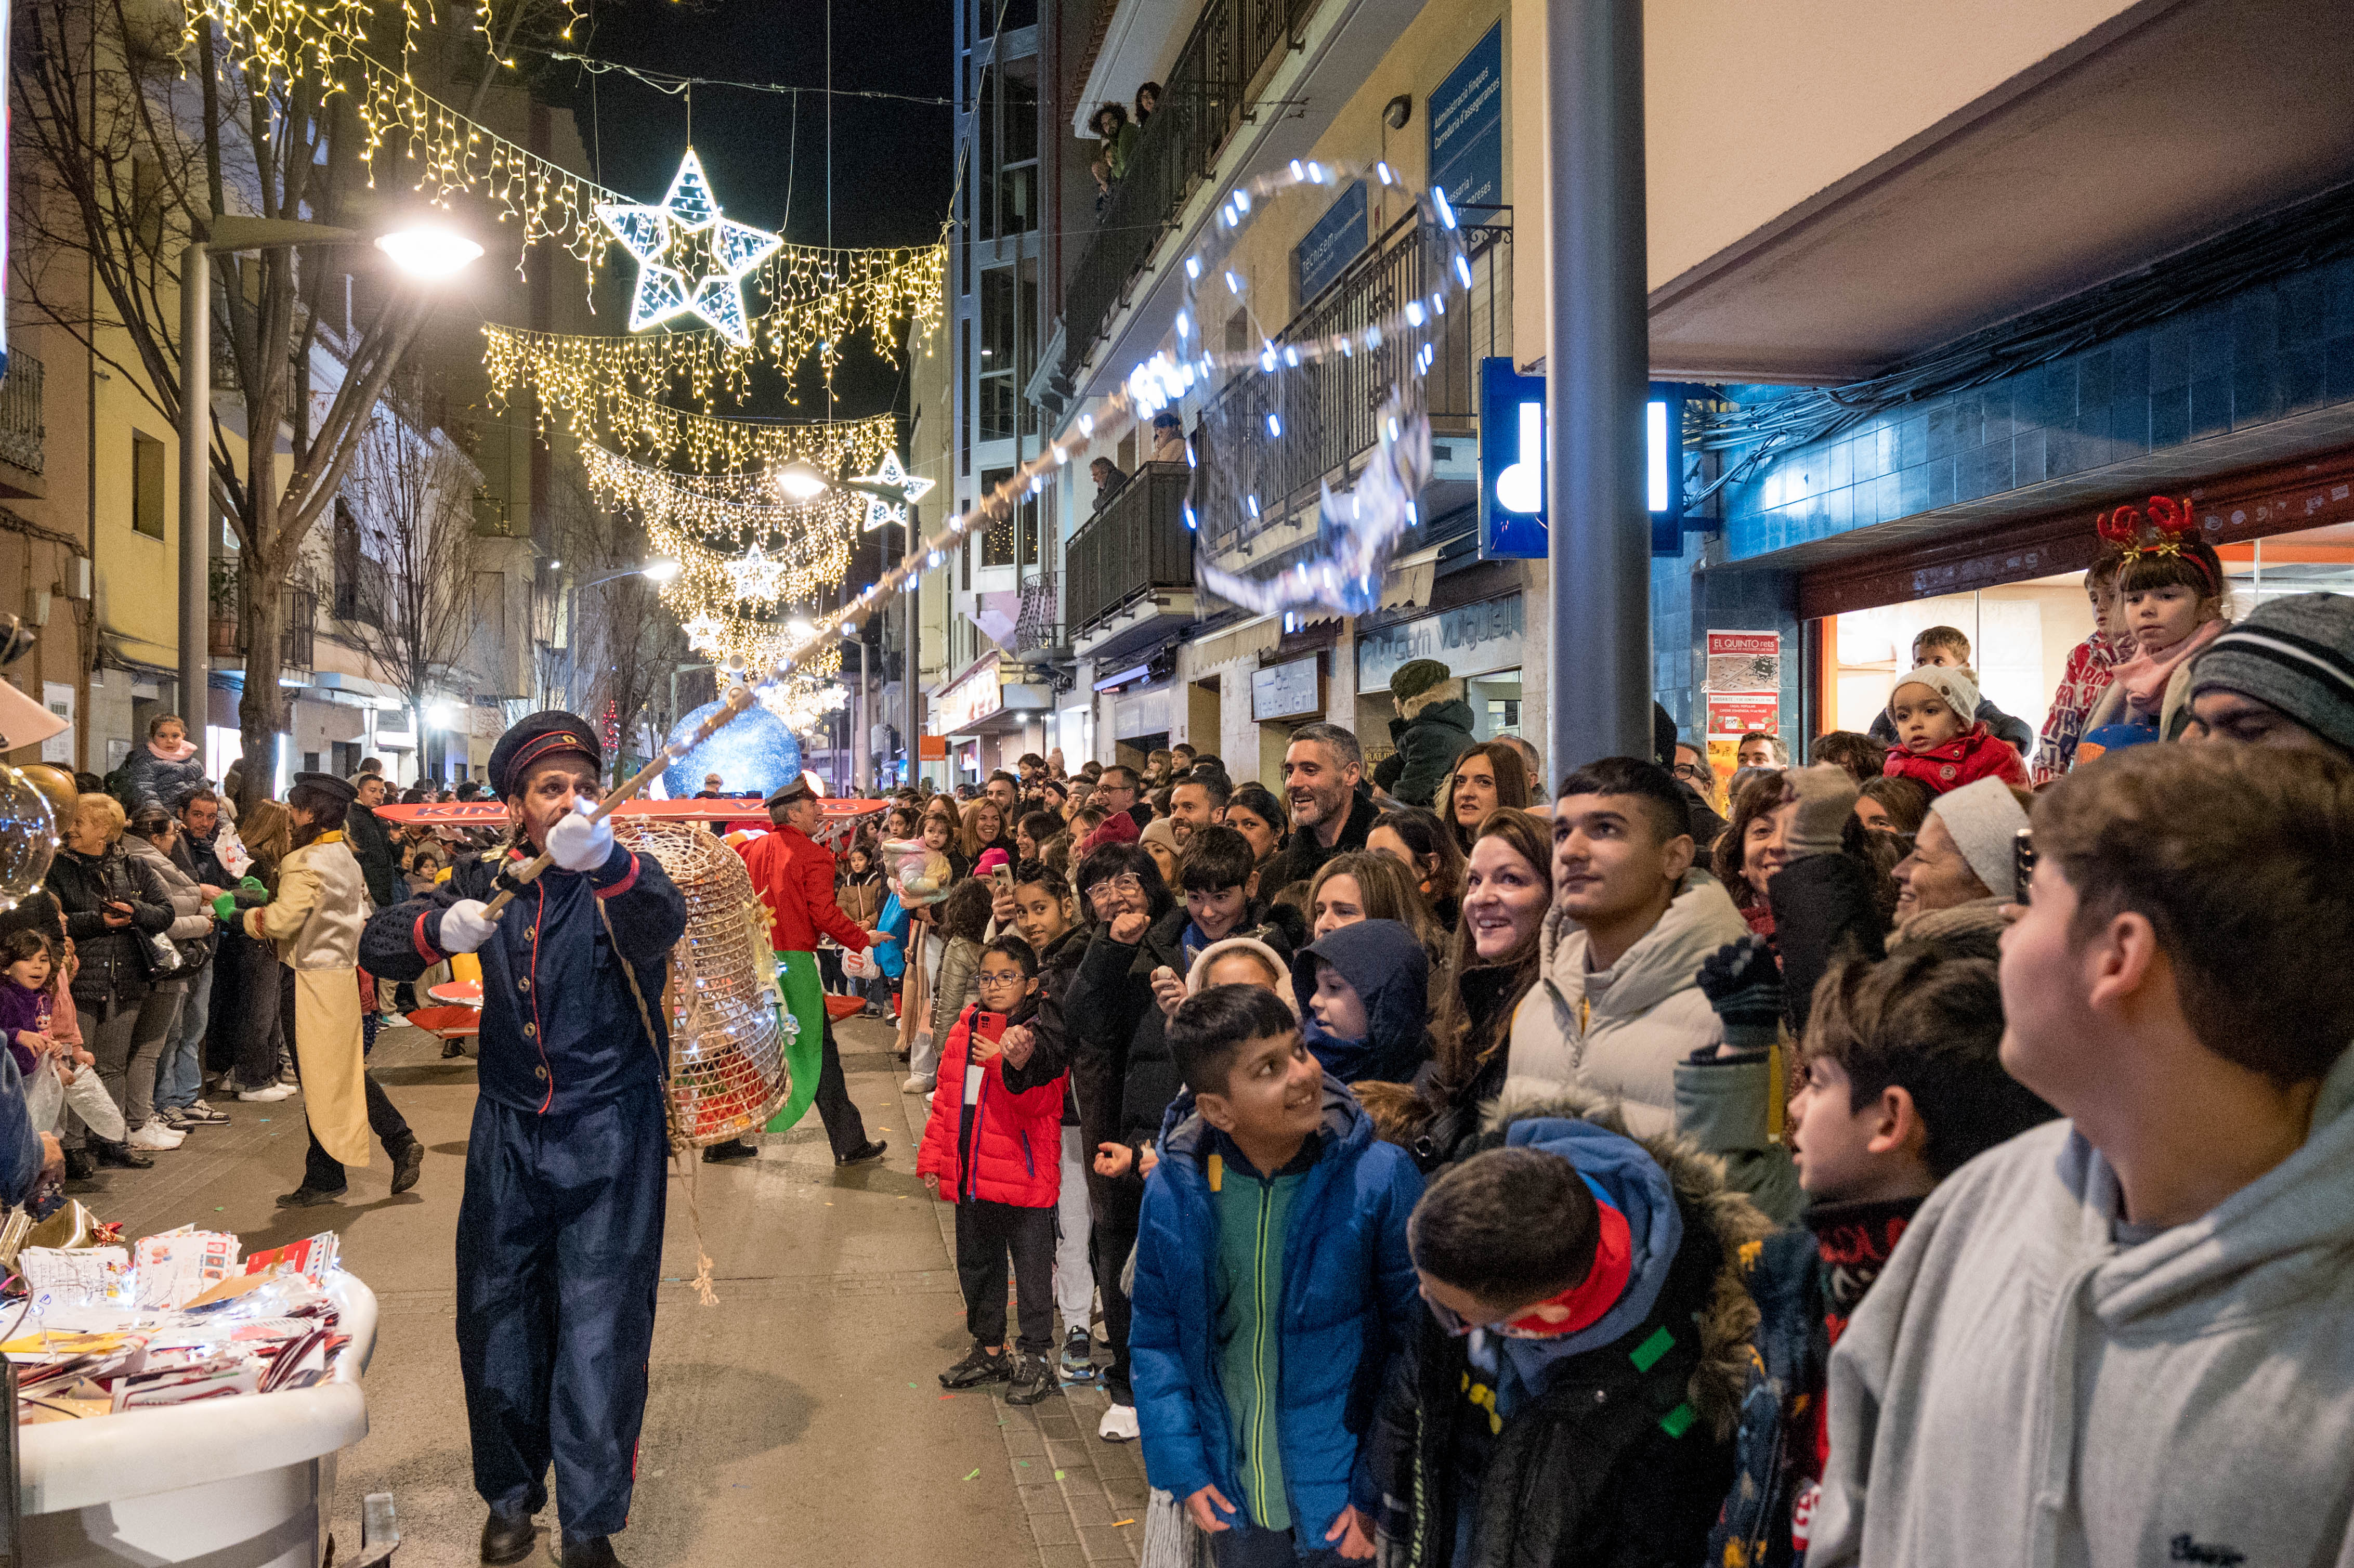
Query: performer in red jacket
(793,875)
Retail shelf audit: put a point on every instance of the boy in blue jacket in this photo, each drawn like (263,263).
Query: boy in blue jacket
(1273,1289)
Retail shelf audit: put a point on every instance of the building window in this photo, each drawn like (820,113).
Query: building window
(997,369)
(1017,167)
(964,447)
(996,541)
(146,485)
(347,564)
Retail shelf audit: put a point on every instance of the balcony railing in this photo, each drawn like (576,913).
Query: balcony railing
(1035,629)
(295,639)
(21,429)
(1201,103)
(1252,480)
(1136,547)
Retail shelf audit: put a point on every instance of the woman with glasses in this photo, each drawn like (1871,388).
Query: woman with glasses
(1140,931)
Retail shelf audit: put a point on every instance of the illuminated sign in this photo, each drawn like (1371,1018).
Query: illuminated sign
(977,696)
(1512,464)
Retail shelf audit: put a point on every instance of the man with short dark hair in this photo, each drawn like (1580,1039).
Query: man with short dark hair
(180,1071)
(1125,814)
(1006,790)
(1195,803)
(1618,1003)
(372,843)
(1321,768)
(2124,1337)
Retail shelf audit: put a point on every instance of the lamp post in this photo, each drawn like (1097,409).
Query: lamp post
(422,254)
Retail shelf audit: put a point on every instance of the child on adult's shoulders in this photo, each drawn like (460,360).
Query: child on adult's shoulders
(1273,1288)
(1937,745)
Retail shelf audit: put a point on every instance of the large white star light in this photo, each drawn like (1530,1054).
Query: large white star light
(890,475)
(689,257)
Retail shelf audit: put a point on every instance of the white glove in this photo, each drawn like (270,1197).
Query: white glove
(466,926)
(577,844)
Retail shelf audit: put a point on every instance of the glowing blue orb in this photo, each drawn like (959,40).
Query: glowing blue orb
(752,753)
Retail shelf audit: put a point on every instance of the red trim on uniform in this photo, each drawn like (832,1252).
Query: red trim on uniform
(424,948)
(538,1033)
(625,884)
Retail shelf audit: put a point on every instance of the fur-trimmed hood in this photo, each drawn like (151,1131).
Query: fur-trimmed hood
(1447,690)
(1731,1318)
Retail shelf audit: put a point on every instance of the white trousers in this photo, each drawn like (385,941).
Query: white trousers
(1075,1282)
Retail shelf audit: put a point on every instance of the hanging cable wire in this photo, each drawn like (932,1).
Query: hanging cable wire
(672,84)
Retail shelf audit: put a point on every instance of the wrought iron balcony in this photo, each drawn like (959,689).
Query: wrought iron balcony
(21,427)
(1135,549)
(1201,102)
(1037,627)
(1326,412)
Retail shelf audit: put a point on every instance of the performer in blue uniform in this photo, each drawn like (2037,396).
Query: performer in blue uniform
(559,1236)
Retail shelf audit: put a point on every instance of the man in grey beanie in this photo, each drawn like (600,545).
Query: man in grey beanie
(2284,676)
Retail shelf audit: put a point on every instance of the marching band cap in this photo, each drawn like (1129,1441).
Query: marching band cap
(797,788)
(540,735)
(338,787)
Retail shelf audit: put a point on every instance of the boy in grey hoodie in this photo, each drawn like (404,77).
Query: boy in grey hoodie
(2127,1337)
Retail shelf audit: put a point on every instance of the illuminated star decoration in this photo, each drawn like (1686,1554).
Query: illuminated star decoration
(891,474)
(702,631)
(756,577)
(689,257)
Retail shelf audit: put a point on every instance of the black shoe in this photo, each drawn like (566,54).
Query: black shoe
(308,1197)
(867,1155)
(1034,1380)
(732,1149)
(451,1048)
(80,1166)
(507,1538)
(122,1156)
(589,1552)
(978,1367)
(408,1165)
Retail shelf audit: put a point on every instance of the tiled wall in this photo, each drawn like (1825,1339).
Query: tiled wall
(2276,350)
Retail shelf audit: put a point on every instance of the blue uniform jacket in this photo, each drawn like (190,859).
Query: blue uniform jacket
(560,1031)
(1349,1300)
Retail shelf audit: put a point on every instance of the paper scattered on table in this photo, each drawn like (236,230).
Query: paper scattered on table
(174,1269)
(76,1276)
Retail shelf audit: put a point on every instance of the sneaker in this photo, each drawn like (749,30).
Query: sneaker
(174,1117)
(1078,1353)
(154,1135)
(917,1084)
(1034,1380)
(264,1097)
(203,1115)
(979,1367)
(1118,1425)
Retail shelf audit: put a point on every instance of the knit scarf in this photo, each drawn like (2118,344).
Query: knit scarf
(2145,678)
(1853,1242)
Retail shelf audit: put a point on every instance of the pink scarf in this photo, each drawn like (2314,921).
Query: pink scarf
(2144,678)
(181,753)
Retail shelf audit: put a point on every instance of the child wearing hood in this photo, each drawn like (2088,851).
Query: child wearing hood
(1273,1288)
(1571,1392)
(1364,992)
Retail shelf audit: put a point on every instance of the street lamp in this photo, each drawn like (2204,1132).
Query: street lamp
(801,484)
(426,255)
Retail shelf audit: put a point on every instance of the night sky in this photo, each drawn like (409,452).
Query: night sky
(893,162)
(765,153)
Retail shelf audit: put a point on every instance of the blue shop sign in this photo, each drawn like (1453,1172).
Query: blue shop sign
(1467,126)
(1513,459)
(1338,238)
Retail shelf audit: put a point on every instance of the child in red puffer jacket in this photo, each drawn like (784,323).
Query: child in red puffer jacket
(1937,742)
(994,1147)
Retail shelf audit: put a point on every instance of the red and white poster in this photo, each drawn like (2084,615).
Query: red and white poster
(1744,694)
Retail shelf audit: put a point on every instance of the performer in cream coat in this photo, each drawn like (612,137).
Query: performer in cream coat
(316,919)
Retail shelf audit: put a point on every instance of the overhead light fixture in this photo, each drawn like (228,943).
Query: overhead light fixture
(661,571)
(800,483)
(428,253)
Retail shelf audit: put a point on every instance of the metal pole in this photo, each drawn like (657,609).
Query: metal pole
(1597,373)
(911,740)
(196,487)
(861,743)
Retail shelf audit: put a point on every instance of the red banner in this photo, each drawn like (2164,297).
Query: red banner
(494,814)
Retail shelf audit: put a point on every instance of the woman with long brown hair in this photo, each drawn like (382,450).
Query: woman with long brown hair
(1491,965)
(1362,886)
(1753,845)
(1417,839)
(1483,780)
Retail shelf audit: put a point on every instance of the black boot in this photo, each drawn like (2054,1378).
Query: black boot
(80,1166)
(589,1552)
(407,1164)
(507,1538)
(122,1156)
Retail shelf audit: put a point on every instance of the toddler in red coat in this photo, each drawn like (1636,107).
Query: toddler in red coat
(1938,742)
(994,1147)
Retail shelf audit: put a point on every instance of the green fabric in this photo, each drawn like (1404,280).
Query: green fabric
(1251,1222)
(804,1002)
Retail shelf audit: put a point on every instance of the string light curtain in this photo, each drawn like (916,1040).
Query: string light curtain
(705,443)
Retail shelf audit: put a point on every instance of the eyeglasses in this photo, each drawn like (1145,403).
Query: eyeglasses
(1127,884)
(1691,772)
(1002,977)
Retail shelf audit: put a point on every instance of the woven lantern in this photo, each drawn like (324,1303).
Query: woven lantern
(727,1072)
